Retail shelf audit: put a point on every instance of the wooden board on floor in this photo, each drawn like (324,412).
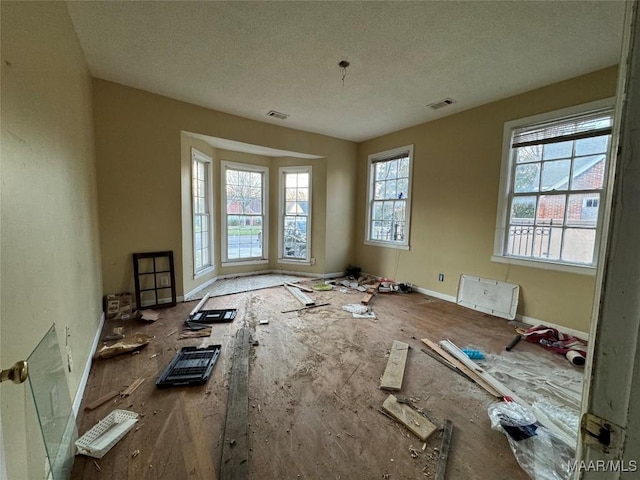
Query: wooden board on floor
(411,419)
(366,298)
(394,373)
(461,366)
(301,297)
(103,399)
(443,456)
(235,449)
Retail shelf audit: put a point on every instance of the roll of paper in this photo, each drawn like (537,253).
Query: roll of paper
(575,357)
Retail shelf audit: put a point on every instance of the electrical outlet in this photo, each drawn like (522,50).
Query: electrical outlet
(441,277)
(313,261)
(164,280)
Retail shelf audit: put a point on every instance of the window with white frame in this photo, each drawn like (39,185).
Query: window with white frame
(389,198)
(295,214)
(244,218)
(553,184)
(201,205)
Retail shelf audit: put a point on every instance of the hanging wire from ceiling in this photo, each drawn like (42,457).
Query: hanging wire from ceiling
(343,64)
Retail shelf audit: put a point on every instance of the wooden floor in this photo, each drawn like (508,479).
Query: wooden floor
(314,394)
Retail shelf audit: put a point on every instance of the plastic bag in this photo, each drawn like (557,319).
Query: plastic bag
(539,451)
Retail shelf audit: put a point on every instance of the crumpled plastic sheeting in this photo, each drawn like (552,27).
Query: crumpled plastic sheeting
(552,389)
(537,449)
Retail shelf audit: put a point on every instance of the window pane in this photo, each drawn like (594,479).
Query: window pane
(551,210)
(303,194)
(578,245)
(531,153)
(588,173)
(555,175)
(403,188)
(379,190)
(520,240)
(403,168)
(523,210)
(381,169)
(377,211)
(589,146)
(557,150)
(527,178)
(583,210)
(390,189)
(393,169)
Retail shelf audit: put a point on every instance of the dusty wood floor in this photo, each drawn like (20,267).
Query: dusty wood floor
(314,396)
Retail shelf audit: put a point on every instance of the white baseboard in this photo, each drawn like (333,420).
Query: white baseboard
(432,293)
(87,368)
(522,318)
(534,322)
(199,287)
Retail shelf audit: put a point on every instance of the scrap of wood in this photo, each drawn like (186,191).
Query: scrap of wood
(394,373)
(306,308)
(447,430)
(235,449)
(301,297)
(370,293)
(301,287)
(453,349)
(446,363)
(131,388)
(468,371)
(416,423)
(199,305)
(103,399)
(174,331)
(205,332)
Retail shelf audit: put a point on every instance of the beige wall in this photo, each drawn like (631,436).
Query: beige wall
(50,254)
(455,193)
(143,159)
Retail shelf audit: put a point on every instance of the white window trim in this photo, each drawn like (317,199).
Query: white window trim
(505,181)
(404,245)
(226,165)
(282,172)
(197,155)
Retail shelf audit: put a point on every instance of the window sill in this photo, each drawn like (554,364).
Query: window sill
(238,263)
(397,246)
(203,272)
(295,262)
(545,265)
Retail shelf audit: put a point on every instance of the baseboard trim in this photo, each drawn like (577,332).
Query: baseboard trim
(534,322)
(200,287)
(432,293)
(521,318)
(87,368)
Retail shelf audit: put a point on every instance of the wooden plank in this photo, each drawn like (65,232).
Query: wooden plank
(416,423)
(446,363)
(132,388)
(235,448)
(447,431)
(394,373)
(103,399)
(464,368)
(366,298)
(301,287)
(306,308)
(453,349)
(301,297)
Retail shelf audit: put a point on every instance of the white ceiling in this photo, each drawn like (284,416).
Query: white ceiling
(246,58)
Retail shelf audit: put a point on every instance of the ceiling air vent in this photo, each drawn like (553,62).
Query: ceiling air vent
(279,115)
(442,103)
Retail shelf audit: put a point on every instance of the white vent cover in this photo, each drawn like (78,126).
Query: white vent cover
(279,115)
(442,103)
(488,296)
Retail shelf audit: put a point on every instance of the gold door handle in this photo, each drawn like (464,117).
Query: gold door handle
(17,374)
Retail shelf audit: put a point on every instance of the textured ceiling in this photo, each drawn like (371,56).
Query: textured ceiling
(246,58)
